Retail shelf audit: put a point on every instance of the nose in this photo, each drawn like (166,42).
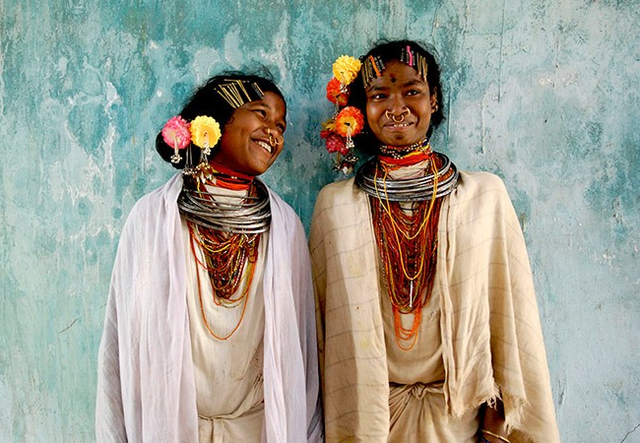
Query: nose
(275,136)
(397,104)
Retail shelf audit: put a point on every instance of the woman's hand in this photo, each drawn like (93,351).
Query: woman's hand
(493,422)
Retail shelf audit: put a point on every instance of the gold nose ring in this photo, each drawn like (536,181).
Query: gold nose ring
(271,137)
(397,118)
(273,140)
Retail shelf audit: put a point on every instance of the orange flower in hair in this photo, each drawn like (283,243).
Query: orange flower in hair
(337,93)
(349,122)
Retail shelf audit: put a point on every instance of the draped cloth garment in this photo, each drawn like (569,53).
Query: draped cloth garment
(492,344)
(146,390)
(227,373)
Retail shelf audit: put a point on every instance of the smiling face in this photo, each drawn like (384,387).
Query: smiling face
(398,89)
(252,139)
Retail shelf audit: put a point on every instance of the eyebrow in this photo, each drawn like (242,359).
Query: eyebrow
(261,103)
(377,88)
(413,82)
(402,85)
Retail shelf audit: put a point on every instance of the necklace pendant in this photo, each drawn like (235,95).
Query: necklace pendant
(411,294)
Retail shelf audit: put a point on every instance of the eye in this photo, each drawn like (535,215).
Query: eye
(261,112)
(379,96)
(281,127)
(413,92)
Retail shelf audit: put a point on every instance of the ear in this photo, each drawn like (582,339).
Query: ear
(434,98)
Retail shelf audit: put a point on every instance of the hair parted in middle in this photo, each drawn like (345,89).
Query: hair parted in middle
(373,63)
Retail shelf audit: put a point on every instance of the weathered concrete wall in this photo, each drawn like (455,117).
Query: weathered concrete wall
(546,96)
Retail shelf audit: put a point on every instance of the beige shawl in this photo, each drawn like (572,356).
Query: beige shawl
(491,335)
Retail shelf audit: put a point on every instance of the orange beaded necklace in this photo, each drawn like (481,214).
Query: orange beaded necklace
(407,241)
(229,258)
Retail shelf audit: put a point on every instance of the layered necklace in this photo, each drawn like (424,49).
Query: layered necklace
(226,228)
(405,216)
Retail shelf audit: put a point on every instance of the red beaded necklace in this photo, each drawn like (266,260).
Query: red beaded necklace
(229,258)
(407,243)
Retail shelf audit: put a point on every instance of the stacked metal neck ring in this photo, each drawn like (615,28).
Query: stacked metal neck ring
(412,189)
(245,215)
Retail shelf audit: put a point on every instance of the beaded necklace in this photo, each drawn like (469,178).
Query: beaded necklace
(225,260)
(405,228)
(399,152)
(228,257)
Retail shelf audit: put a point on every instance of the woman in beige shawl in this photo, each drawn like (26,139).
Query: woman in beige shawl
(427,316)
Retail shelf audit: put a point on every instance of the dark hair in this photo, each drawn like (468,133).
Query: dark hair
(389,51)
(207,101)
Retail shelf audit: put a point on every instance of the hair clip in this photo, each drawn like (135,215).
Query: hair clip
(235,93)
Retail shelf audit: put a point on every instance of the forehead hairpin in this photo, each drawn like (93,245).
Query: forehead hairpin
(235,93)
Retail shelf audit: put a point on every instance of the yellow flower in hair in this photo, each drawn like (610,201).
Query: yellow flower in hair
(205,131)
(346,69)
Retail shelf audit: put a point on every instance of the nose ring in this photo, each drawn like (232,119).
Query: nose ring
(397,118)
(271,137)
(273,140)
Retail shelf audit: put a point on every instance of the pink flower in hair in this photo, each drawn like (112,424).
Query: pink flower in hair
(176,133)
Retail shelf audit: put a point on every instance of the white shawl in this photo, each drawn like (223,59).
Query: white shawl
(146,390)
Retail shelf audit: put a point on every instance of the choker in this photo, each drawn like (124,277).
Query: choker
(445,180)
(397,152)
(242,214)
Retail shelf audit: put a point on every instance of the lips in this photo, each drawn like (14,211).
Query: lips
(397,126)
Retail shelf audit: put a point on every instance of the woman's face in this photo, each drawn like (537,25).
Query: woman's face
(252,139)
(399,89)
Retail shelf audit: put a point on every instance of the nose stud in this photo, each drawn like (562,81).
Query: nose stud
(397,118)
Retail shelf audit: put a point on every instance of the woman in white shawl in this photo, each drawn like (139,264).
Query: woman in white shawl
(209,332)
(428,328)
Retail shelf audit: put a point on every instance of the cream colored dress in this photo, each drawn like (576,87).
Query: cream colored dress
(416,379)
(228,374)
(416,376)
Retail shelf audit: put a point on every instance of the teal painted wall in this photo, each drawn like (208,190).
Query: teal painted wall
(543,93)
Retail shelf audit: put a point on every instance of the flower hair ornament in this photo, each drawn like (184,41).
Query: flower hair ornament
(347,121)
(203,132)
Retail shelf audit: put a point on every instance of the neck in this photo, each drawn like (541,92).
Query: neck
(226,177)
(393,156)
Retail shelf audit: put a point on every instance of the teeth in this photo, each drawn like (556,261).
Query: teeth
(266,146)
